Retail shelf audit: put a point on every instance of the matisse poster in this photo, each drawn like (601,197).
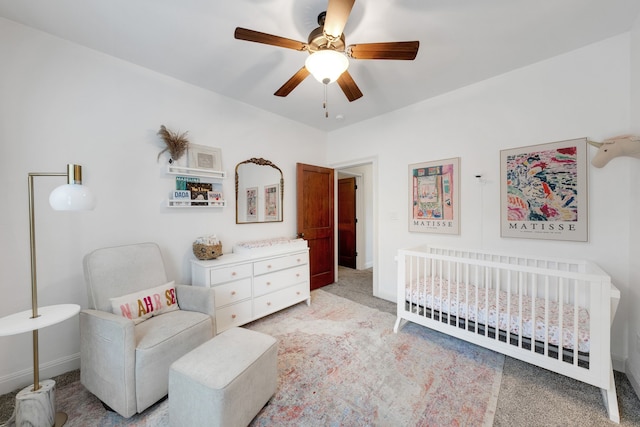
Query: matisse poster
(434,189)
(544,191)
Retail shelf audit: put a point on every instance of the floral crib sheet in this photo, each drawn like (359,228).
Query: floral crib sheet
(455,304)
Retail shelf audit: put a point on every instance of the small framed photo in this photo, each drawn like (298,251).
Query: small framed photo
(271,202)
(434,196)
(252,203)
(205,157)
(543,191)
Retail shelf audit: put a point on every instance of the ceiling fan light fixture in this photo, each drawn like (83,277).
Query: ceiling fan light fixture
(327,65)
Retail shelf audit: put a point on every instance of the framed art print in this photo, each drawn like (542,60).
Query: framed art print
(543,191)
(204,157)
(434,196)
(271,202)
(252,203)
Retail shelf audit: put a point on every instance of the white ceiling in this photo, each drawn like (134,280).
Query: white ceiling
(461,42)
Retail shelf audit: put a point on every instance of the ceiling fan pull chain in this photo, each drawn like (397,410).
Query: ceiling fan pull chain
(324,104)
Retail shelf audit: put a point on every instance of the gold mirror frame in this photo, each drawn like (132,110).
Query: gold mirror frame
(260,162)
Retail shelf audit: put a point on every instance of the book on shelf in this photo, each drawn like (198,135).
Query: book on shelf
(181,181)
(180,198)
(199,193)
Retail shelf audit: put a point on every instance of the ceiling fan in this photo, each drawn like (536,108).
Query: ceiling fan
(326,44)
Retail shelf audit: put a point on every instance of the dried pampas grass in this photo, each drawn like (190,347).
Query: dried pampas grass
(177,143)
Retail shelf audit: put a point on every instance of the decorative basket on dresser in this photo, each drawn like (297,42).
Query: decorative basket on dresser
(256,280)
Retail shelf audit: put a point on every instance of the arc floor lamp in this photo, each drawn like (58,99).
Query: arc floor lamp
(35,405)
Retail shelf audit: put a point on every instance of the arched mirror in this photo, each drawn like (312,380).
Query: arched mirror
(259,191)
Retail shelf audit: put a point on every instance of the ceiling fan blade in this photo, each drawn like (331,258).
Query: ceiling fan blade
(349,86)
(390,50)
(258,37)
(293,82)
(337,14)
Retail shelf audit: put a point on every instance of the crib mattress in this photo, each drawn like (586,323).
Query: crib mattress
(504,312)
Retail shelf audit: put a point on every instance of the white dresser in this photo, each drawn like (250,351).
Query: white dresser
(248,286)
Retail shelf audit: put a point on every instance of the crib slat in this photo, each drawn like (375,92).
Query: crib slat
(560,316)
(459,311)
(546,316)
(449,292)
(466,287)
(486,301)
(534,321)
(441,307)
(576,336)
(520,312)
(433,291)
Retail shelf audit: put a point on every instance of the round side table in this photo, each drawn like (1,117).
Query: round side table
(37,407)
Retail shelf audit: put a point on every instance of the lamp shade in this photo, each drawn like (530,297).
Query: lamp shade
(71,197)
(327,65)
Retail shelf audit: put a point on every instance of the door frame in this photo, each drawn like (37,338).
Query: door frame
(360,231)
(373,161)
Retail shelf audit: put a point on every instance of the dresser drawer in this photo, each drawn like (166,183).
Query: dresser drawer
(233,315)
(279,280)
(275,301)
(275,264)
(232,292)
(227,274)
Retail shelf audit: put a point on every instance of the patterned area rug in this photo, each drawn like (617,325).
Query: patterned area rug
(340,363)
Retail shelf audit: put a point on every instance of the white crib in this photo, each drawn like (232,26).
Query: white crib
(553,313)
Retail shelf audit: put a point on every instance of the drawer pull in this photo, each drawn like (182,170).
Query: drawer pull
(269,303)
(268,283)
(298,293)
(233,292)
(233,273)
(233,316)
(269,266)
(298,260)
(297,274)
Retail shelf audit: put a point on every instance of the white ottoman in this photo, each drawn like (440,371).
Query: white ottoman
(225,381)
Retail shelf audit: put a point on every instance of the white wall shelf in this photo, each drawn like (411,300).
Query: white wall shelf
(172,202)
(183,203)
(203,173)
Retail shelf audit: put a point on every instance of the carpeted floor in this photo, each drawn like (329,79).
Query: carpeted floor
(529,396)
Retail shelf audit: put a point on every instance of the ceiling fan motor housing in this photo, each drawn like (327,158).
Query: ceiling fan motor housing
(318,41)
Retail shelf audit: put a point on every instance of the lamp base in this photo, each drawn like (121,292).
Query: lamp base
(61,419)
(38,408)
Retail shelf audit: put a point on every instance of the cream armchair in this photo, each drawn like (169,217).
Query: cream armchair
(126,365)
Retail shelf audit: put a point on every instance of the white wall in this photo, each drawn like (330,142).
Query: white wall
(61,103)
(584,93)
(633,365)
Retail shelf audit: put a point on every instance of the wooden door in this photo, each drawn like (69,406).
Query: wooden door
(347,222)
(315,200)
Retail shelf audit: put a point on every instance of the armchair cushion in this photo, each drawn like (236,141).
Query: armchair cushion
(160,341)
(141,305)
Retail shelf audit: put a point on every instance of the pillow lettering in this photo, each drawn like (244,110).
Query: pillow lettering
(141,305)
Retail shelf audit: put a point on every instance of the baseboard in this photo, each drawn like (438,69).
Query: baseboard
(634,382)
(23,378)
(619,363)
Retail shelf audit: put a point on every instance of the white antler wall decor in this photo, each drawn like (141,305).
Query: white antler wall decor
(623,145)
